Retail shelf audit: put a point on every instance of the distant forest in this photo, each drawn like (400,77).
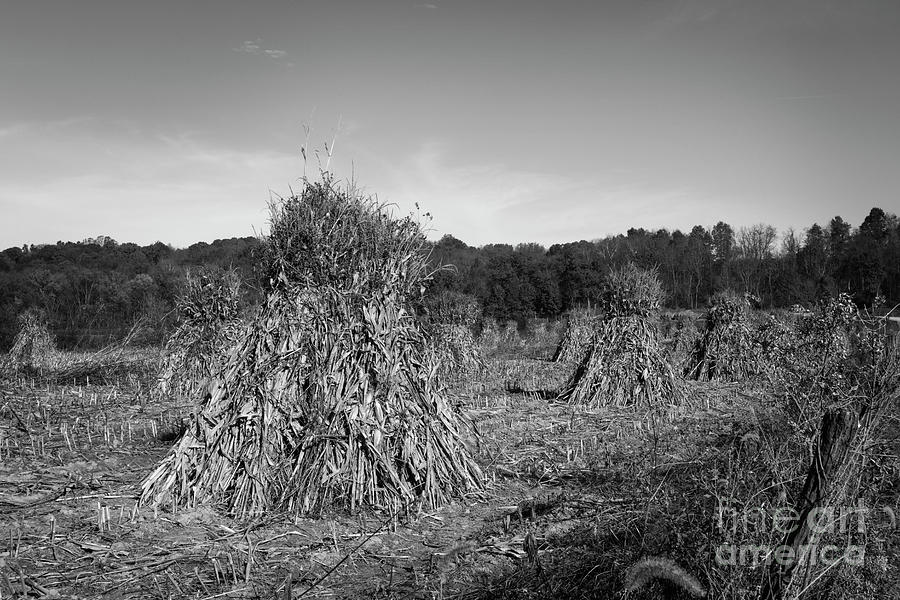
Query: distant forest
(93,291)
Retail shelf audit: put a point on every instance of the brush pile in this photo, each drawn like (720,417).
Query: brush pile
(330,398)
(208,324)
(626,365)
(576,341)
(726,350)
(451,318)
(34,347)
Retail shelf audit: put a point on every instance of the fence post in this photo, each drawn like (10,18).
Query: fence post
(822,481)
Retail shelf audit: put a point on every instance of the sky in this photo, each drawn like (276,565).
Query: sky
(508,121)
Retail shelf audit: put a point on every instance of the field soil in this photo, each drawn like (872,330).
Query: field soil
(574,498)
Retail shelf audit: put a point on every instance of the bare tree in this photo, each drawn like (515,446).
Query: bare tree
(755,247)
(757,242)
(790,243)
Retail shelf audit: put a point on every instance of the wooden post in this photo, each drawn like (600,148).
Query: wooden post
(835,440)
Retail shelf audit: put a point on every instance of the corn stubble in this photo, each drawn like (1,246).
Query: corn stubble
(331,398)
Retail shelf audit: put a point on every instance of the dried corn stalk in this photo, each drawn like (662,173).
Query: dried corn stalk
(455,351)
(576,340)
(726,350)
(625,365)
(34,346)
(330,398)
(451,317)
(208,323)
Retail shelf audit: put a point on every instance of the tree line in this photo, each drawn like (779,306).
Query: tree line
(528,280)
(93,291)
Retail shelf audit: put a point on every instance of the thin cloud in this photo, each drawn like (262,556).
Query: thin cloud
(491,202)
(480,203)
(184,190)
(685,12)
(13,129)
(257,48)
(248,48)
(805,97)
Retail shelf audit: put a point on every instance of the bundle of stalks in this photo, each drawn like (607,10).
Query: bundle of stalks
(626,365)
(631,291)
(726,350)
(34,348)
(330,398)
(576,341)
(453,308)
(682,338)
(489,337)
(499,337)
(456,352)
(208,325)
(542,337)
(451,316)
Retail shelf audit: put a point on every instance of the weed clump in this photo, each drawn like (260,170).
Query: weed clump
(833,380)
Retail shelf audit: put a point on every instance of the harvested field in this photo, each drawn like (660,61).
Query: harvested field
(445,300)
(575,497)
